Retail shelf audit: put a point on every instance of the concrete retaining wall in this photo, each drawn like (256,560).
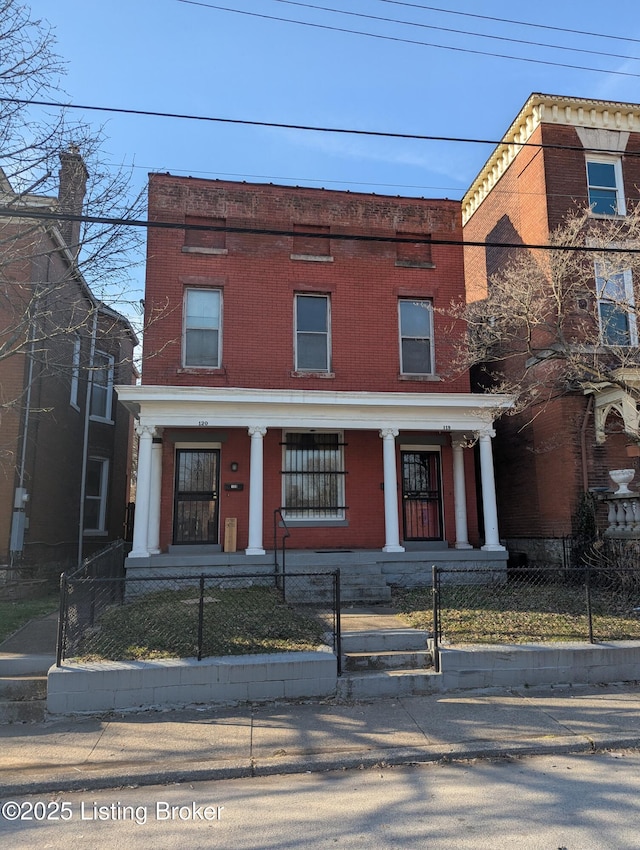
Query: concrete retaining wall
(109,685)
(530,665)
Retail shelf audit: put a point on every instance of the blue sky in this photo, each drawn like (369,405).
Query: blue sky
(173,56)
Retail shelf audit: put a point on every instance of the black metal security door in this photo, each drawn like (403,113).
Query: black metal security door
(196,496)
(421,495)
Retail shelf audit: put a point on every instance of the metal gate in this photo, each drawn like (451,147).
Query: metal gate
(195,516)
(421,495)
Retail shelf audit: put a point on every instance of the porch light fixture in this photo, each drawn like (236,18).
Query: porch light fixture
(234,466)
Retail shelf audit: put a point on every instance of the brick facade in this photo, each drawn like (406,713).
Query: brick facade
(547,457)
(43,427)
(267,246)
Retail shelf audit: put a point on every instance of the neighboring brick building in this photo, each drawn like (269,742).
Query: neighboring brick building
(546,459)
(293,360)
(62,465)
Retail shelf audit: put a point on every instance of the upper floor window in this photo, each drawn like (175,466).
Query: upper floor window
(102,385)
(616,306)
(416,336)
(202,328)
(312,333)
(604,181)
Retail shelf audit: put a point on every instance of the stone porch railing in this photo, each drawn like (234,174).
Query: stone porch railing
(623,515)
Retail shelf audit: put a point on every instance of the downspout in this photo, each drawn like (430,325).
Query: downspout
(583,445)
(85,437)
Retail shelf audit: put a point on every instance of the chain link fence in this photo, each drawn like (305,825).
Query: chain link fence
(127,618)
(525,605)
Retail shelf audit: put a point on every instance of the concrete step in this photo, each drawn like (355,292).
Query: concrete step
(22,711)
(388,683)
(23,698)
(366,593)
(24,687)
(385,640)
(364,661)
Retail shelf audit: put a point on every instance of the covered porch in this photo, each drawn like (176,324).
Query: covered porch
(425,439)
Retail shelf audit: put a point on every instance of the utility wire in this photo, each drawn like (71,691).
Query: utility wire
(43,215)
(306,127)
(510,21)
(415,42)
(511,40)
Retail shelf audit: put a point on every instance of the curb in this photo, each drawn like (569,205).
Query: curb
(319,763)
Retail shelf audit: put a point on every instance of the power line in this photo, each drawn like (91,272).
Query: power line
(147,113)
(43,215)
(510,21)
(492,36)
(400,40)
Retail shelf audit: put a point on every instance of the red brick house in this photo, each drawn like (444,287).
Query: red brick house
(65,444)
(558,155)
(293,360)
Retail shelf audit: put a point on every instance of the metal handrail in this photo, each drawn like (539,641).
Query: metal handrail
(278,513)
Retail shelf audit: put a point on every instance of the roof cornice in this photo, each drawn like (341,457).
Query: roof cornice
(546,109)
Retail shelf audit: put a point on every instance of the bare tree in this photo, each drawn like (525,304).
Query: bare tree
(56,268)
(560,319)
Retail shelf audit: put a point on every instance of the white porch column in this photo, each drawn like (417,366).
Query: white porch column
(256,489)
(460,495)
(153,543)
(392,533)
(140,547)
(491,537)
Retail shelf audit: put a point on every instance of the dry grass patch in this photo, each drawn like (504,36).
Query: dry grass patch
(513,612)
(165,625)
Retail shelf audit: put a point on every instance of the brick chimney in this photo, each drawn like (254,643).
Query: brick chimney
(71,191)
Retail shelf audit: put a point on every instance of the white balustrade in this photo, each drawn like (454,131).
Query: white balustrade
(623,515)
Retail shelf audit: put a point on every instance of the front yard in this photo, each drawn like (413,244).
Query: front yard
(517,612)
(164,624)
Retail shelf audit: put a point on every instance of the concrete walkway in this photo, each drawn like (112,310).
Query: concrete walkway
(206,743)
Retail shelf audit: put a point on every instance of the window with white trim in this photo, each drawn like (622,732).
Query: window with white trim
(202,337)
(312,333)
(416,336)
(102,386)
(616,310)
(605,186)
(75,370)
(95,498)
(313,475)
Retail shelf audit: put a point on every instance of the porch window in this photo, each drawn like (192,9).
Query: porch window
(313,476)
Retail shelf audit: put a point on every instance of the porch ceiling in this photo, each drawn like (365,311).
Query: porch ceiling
(197,407)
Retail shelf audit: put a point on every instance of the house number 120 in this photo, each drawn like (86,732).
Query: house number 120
(203,422)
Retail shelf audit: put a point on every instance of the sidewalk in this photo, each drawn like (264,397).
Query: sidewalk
(216,743)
